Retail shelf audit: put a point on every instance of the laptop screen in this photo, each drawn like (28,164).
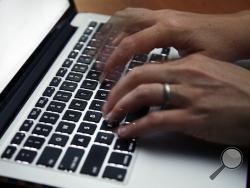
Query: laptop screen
(24,24)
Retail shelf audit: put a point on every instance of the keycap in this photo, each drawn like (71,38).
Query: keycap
(26,155)
(80,140)
(35,112)
(68,86)
(49,117)
(105,138)
(155,57)
(89,84)
(62,96)
(101,95)
(115,173)
(94,160)
(84,59)
(83,94)
(78,46)
(93,75)
(67,63)
(73,54)
(18,138)
(120,158)
(87,128)
(74,77)
(125,145)
(89,52)
(92,24)
(56,106)
(42,130)
(136,115)
(58,139)
(78,104)
(134,64)
(165,51)
(49,156)
(71,115)
(65,127)
(61,72)
(49,91)
(55,81)
(27,124)
(81,68)
(8,152)
(107,126)
(83,38)
(107,85)
(88,31)
(141,58)
(92,116)
(42,102)
(95,43)
(71,159)
(34,142)
(96,105)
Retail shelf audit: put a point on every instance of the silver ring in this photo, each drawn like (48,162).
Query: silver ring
(166,92)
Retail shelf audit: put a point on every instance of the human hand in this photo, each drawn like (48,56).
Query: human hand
(211,100)
(224,37)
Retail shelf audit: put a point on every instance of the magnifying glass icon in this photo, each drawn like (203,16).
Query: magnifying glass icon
(231,158)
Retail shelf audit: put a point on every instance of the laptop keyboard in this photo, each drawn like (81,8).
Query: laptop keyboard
(65,129)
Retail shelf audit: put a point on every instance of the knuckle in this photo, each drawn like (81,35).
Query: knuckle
(142,92)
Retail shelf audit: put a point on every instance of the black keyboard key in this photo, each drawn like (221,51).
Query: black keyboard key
(42,102)
(83,38)
(165,51)
(67,63)
(49,91)
(78,46)
(78,105)
(75,77)
(107,85)
(65,127)
(96,105)
(80,68)
(94,160)
(35,112)
(141,58)
(114,173)
(93,116)
(136,115)
(18,138)
(71,115)
(68,86)
(107,126)
(88,31)
(101,95)
(56,106)
(71,159)
(55,81)
(73,54)
(92,24)
(62,96)
(125,145)
(87,128)
(105,138)
(84,59)
(27,124)
(26,155)
(156,57)
(34,142)
(95,43)
(61,72)
(49,117)
(83,94)
(89,84)
(80,140)
(93,75)
(8,152)
(91,52)
(134,64)
(120,158)
(42,130)
(49,156)
(58,140)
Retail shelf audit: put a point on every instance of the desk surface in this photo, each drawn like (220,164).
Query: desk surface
(202,6)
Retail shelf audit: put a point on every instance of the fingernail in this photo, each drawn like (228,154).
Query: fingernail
(104,108)
(102,77)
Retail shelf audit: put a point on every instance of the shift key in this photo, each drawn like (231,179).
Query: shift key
(94,160)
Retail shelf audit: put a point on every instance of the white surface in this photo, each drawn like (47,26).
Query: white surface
(24,23)
(174,161)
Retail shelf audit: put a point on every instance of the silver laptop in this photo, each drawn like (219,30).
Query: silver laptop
(52,131)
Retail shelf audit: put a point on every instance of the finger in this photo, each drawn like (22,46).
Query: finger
(168,120)
(151,38)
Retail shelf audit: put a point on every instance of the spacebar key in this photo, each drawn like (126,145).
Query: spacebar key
(94,160)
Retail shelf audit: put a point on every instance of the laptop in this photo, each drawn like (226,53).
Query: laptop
(52,132)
